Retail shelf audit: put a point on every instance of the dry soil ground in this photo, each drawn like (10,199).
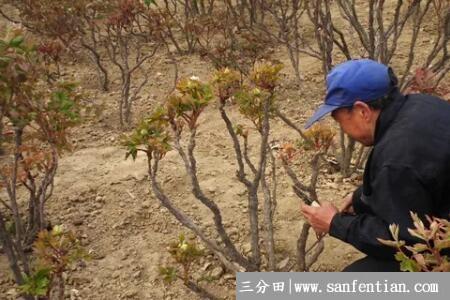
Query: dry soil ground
(107,200)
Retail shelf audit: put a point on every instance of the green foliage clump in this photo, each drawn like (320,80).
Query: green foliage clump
(25,97)
(192,96)
(37,284)
(425,256)
(190,99)
(151,132)
(319,138)
(266,75)
(251,98)
(55,251)
(227,82)
(185,254)
(183,107)
(251,104)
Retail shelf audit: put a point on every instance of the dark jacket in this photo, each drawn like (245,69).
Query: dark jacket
(407,170)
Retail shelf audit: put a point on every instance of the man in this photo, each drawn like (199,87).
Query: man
(407,170)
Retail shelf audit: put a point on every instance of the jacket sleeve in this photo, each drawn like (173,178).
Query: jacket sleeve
(358,205)
(396,190)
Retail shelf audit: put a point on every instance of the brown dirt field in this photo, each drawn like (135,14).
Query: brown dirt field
(107,200)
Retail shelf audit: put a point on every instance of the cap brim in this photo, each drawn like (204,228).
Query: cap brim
(321,112)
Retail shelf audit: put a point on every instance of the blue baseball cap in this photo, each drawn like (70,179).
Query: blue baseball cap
(354,80)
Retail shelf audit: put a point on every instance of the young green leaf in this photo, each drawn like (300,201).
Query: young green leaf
(17,41)
(149,2)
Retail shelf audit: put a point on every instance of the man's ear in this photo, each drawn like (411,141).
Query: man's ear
(362,109)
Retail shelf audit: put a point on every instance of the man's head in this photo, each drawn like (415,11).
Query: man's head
(357,91)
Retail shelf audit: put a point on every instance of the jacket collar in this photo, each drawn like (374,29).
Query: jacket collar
(388,114)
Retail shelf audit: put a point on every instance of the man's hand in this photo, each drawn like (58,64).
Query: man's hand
(347,206)
(320,217)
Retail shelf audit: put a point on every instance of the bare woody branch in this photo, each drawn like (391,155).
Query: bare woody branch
(183,218)
(191,168)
